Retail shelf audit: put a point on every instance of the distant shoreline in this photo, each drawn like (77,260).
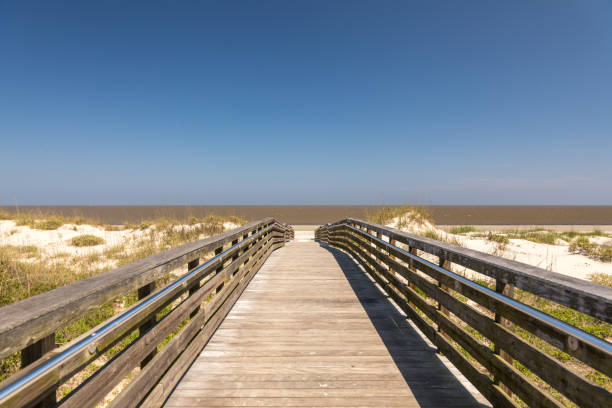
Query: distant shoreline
(320,214)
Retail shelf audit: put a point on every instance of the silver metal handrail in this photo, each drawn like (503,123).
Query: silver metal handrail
(559,324)
(17,385)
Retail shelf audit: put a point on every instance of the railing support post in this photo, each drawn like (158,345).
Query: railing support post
(443,263)
(219,269)
(392,242)
(143,292)
(194,288)
(412,269)
(32,353)
(506,290)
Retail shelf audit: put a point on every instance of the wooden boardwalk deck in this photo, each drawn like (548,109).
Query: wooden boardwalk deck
(312,329)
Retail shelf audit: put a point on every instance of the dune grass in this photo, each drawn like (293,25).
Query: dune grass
(584,246)
(87,240)
(44,221)
(386,214)
(25,272)
(462,229)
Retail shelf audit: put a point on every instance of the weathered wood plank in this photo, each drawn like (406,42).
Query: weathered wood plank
(590,353)
(578,389)
(579,294)
(147,379)
(29,320)
(104,380)
(289,332)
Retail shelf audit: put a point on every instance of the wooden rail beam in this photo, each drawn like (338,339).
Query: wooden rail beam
(452,315)
(45,367)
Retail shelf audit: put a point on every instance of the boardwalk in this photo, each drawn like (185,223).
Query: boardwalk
(311,329)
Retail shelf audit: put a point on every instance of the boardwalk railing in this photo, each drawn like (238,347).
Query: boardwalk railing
(160,335)
(485,332)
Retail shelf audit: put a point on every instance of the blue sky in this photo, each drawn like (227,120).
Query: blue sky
(306,102)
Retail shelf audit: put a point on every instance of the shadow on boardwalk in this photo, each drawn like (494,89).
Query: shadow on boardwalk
(431,382)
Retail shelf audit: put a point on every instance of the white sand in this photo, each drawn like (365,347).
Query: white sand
(58,241)
(54,242)
(554,258)
(551,257)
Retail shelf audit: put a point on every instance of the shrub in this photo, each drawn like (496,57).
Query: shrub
(581,245)
(50,224)
(462,229)
(604,253)
(501,239)
(386,214)
(236,220)
(145,224)
(601,278)
(86,240)
(541,237)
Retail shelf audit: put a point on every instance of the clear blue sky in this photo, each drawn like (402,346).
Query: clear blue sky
(306,102)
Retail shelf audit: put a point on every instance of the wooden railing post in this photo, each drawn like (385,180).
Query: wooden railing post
(194,288)
(219,269)
(443,263)
(236,255)
(506,290)
(143,292)
(32,353)
(392,242)
(415,252)
(244,250)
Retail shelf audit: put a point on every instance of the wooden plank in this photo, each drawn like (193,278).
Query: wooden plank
(482,382)
(508,291)
(25,322)
(484,355)
(572,385)
(592,354)
(147,379)
(143,292)
(312,330)
(33,353)
(176,370)
(78,359)
(104,380)
(578,294)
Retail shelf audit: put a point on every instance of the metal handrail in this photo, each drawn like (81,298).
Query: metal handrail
(20,383)
(559,324)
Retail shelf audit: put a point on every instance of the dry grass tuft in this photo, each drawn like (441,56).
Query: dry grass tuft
(582,245)
(410,213)
(86,240)
(25,272)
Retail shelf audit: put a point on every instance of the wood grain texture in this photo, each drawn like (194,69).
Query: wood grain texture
(591,354)
(311,329)
(375,257)
(29,320)
(584,296)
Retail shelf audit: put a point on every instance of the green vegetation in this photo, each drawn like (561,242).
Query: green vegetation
(44,221)
(601,278)
(462,229)
(543,236)
(406,213)
(540,237)
(582,245)
(27,271)
(86,240)
(579,241)
(16,252)
(585,322)
(499,238)
(50,224)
